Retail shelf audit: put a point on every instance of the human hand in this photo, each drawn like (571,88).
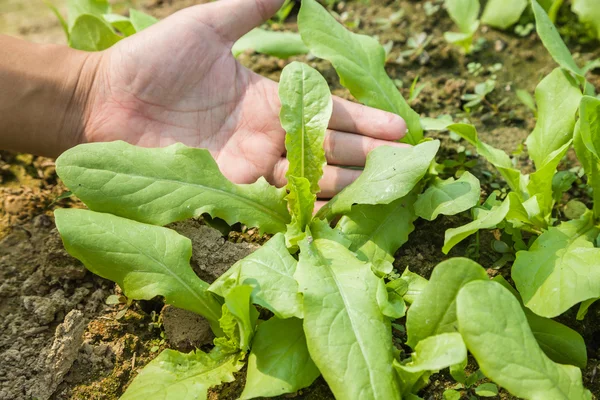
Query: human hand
(177,81)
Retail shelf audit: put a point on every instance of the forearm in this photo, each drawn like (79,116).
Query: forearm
(44,90)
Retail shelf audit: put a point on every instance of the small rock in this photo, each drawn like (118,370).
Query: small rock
(185,330)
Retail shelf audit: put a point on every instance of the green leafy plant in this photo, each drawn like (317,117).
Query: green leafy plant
(465,14)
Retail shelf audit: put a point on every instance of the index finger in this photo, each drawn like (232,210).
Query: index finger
(355,118)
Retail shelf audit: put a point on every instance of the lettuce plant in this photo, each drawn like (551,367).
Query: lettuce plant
(465,14)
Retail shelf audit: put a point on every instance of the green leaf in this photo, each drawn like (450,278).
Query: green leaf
(77,8)
(360,63)
(140,20)
(121,23)
(144,260)
(502,13)
(160,186)
(279,362)
(178,376)
(435,353)
(588,12)
(238,302)
(376,232)
(451,394)
(390,173)
(552,40)
(416,284)
(558,98)
(270,270)
(561,343)
(279,44)
(496,157)
(486,390)
(91,33)
(560,269)
(306,107)
(348,337)
(532,375)
(301,203)
(448,197)
(591,165)
(464,13)
(590,124)
(434,311)
(583,310)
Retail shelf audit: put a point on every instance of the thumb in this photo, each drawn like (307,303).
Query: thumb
(232,19)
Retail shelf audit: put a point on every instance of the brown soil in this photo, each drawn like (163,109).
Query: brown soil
(47,298)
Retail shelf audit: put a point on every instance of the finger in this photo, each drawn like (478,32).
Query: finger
(348,149)
(333,181)
(231,19)
(356,118)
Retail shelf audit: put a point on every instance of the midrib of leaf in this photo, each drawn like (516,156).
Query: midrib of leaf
(169,272)
(352,322)
(243,199)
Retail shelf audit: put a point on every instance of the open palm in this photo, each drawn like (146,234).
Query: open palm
(177,81)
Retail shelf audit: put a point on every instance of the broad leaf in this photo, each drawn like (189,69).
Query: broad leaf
(502,13)
(278,44)
(496,332)
(561,343)
(270,270)
(434,311)
(144,260)
(77,8)
(91,33)
(359,61)
(589,12)
(496,157)
(464,13)
(378,231)
(448,197)
(558,98)
(279,362)
(140,20)
(178,376)
(552,40)
(306,107)
(121,23)
(348,337)
(390,173)
(301,203)
(560,269)
(160,186)
(435,353)
(591,165)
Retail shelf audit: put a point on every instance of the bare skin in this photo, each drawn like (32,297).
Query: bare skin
(177,81)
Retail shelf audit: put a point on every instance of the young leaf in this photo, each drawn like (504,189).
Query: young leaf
(240,306)
(121,23)
(378,231)
(279,44)
(435,353)
(591,165)
(552,40)
(464,13)
(496,157)
(590,124)
(359,61)
(59,16)
(301,203)
(488,313)
(160,186)
(561,343)
(306,107)
(91,33)
(448,197)
(140,20)
(178,376)
(144,260)
(558,98)
(348,337)
(560,269)
(390,173)
(416,284)
(77,8)
(434,311)
(270,270)
(279,362)
(503,14)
